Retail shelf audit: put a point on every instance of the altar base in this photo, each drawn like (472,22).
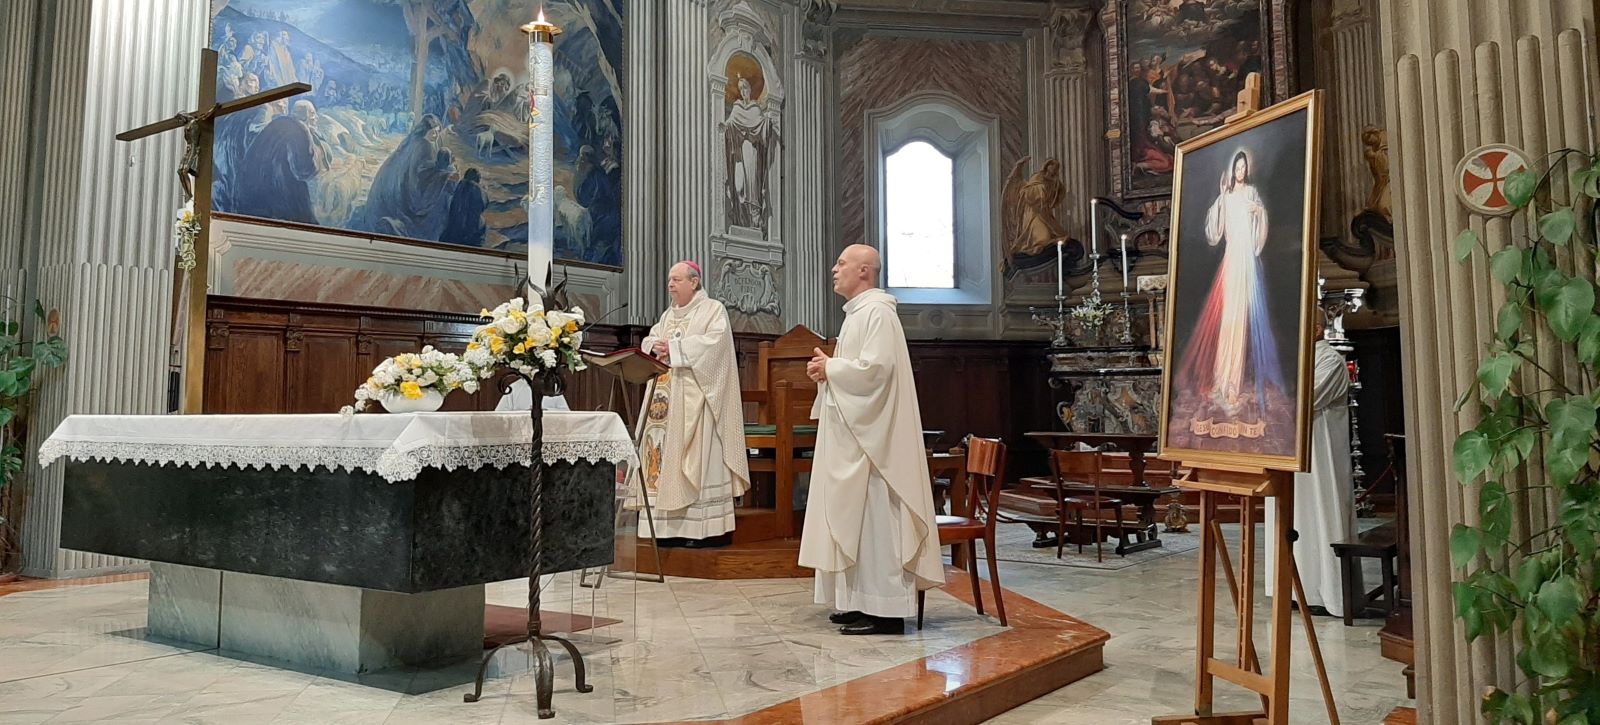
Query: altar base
(324,627)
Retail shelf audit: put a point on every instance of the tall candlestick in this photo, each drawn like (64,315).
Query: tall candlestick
(541,149)
(1060,279)
(1125,263)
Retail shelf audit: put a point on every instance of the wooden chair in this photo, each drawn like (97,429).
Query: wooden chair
(783,430)
(1086,467)
(986,465)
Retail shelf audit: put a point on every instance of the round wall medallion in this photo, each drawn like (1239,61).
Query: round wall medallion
(1481,177)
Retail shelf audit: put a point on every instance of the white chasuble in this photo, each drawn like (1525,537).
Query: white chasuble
(692,443)
(869,530)
(1324,505)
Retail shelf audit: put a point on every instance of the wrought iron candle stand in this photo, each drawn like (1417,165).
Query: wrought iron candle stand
(1057,323)
(549,383)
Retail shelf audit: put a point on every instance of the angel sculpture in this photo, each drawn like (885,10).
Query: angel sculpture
(1028,207)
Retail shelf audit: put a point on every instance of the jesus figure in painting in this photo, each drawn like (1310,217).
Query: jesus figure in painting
(1233,338)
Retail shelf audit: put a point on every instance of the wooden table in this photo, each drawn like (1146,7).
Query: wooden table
(953,466)
(1136,445)
(1032,499)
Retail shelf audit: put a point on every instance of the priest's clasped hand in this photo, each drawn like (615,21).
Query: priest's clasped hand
(660,350)
(817,369)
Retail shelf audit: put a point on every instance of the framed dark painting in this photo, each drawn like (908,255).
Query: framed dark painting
(1242,281)
(416,125)
(1181,67)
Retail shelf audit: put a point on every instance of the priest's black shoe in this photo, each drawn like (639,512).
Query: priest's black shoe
(714,542)
(845,617)
(869,624)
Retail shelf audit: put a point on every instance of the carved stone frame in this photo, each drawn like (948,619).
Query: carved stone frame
(1277,40)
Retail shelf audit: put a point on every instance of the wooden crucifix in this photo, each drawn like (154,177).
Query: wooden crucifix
(189,285)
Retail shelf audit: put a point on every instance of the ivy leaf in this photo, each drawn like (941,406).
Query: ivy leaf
(1568,307)
(1471,455)
(1562,463)
(1520,186)
(1530,576)
(1560,600)
(9,387)
(1494,513)
(1581,538)
(1466,395)
(1495,372)
(1509,321)
(1520,444)
(51,353)
(1557,226)
(1549,654)
(1520,708)
(1464,594)
(1465,242)
(6,415)
(1506,264)
(1572,418)
(1473,620)
(1589,342)
(1465,543)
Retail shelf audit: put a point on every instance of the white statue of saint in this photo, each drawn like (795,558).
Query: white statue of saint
(749,132)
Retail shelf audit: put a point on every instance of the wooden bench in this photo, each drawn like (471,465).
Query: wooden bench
(1381,543)
(783,434)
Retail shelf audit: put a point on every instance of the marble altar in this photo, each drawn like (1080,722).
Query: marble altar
(344,544)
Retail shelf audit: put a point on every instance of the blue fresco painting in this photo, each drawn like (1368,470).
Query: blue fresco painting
(416,125)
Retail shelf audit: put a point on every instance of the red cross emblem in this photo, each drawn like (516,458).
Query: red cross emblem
(1481,177)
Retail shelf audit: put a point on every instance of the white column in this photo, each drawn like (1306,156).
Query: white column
(17,21)
(1351,70)
(1067,119)
(644,153)
(102,215)
(806,134)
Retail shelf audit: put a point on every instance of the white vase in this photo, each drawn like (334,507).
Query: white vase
(429,402)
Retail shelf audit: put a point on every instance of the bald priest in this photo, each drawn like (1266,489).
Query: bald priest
(869,530)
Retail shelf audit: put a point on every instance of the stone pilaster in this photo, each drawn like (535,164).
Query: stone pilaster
(643,234)
(101,213)
(1067,121)
(809,149)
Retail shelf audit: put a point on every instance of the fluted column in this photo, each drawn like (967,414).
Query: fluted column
(17,21)
(1350,70)
(1066,130)
(644,162)
(102,215)
(807,134)
(1458,77)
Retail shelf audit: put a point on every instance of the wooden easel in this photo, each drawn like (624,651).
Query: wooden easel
(1251,484)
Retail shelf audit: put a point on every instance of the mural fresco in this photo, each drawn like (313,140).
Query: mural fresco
(416,125)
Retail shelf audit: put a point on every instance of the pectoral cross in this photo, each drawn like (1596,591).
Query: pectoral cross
(194,173)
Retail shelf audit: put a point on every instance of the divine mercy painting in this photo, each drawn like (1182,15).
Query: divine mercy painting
(416,125)
(1243,265)
(1185,63)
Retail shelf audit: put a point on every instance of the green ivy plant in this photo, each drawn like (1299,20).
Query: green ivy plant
(1536,437)
(21,362)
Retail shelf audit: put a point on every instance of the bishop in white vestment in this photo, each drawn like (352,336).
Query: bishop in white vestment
(1324,498)
(692,441)
(869,529)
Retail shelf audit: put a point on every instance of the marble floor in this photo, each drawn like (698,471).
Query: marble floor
(688,649)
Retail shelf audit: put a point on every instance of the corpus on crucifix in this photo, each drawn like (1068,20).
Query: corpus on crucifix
(194,173)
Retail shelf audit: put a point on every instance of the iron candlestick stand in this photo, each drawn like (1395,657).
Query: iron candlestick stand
(549,383)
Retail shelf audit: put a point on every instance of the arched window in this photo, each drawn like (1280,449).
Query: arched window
(929,168)
(919,217)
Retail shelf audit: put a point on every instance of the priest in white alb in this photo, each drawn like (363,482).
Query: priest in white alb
(692,438)
(1324,498)
(869,529)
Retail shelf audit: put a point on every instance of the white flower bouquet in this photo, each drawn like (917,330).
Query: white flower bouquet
(412,376)
(186,228)
(1092,312)
(525,337)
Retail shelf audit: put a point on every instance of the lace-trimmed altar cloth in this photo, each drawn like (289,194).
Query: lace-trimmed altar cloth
(395,447)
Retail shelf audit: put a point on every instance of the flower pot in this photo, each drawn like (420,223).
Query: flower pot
(430,401)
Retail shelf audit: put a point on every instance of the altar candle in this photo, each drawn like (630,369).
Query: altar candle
(541,113)
(1124,263)
(1060,289)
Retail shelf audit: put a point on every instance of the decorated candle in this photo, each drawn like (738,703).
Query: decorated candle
(541,148)
(1060,289)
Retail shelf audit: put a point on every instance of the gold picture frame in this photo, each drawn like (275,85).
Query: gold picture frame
(1232,343)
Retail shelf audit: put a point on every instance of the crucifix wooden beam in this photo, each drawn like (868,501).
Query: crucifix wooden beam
(189,293)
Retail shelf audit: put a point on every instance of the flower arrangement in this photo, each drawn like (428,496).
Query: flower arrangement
(186,227)
(522,335)
(412,375)
(1092,312)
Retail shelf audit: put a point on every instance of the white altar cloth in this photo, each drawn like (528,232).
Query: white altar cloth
(395,447)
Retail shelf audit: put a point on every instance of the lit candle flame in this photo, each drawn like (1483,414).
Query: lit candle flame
(541,16)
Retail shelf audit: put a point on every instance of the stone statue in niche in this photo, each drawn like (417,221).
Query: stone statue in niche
(1372,230)
(1028,208)
(750,140)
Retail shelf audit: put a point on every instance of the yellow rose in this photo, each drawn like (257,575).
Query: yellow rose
(572,326)
(411,390)
(497,345)
(521,347)
(473,345)
(484,312)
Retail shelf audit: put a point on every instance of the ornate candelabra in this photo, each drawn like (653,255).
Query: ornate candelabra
(1335,305)
(1057,322)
